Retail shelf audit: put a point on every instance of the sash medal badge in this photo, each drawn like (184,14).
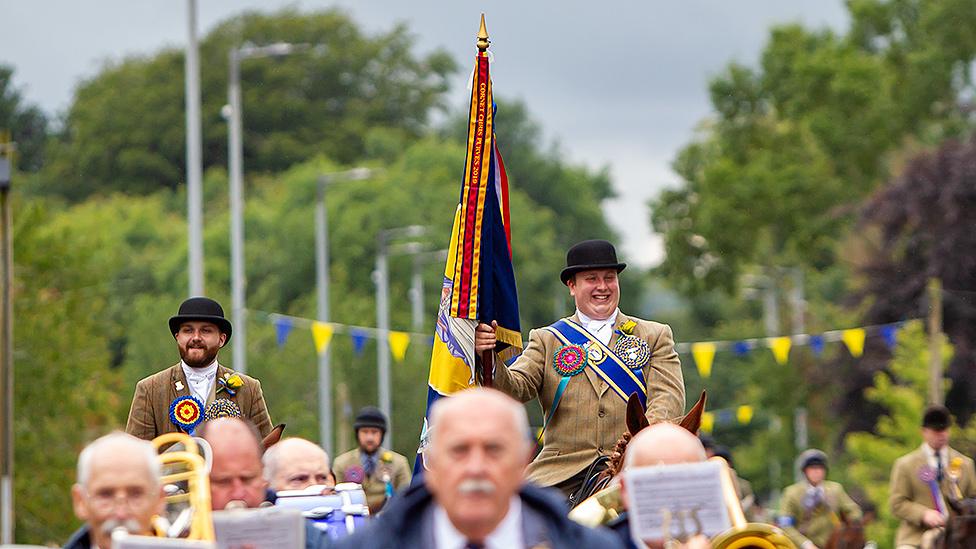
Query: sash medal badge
(569,360)
(633,351)
(186,412)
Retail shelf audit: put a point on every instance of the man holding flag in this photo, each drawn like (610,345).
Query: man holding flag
(583,368)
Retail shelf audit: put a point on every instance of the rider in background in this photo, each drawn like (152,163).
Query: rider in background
(932,468)
(812,508)
(382,472)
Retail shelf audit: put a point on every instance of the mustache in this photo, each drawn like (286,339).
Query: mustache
(131,526)
(476,486)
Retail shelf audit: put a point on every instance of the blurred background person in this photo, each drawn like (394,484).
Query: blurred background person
(118,487)
(381,471)
(811,508)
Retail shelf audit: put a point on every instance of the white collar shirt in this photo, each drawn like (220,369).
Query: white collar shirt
(600,329)
(200,380)
(930,457)
(507,535)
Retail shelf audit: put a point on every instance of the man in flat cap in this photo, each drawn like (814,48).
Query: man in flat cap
(923,482)
(584,367)
(181,396)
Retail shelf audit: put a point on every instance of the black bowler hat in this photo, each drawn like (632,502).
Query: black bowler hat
(201,308)
(937,418)
(590,254)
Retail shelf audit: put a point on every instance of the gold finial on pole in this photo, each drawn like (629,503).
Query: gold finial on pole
(483,35)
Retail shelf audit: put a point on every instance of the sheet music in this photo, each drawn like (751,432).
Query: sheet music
(690,492)
(266,528)
(124,541)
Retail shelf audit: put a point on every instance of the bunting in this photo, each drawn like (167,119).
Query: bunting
(704,354)
(399,341)
(854,339)
(321,335)
(781,348)
(283,326)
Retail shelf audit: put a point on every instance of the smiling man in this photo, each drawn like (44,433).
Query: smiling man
(584,367)
(176,399)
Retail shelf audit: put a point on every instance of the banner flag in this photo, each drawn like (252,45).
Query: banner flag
(854,339)
(781,348)
(744,414)
(358,337)
(707,422)
(283,326)
(704,354)
(479,280)
(890,335)
(399,341)
(322,335)
(817,344)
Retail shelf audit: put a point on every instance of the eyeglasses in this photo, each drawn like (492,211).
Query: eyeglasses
(132,497)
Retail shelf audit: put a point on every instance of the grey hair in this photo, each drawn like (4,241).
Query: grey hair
(272,457)
(519,416)
(140,447)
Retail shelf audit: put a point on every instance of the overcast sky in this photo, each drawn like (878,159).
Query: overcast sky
(616,83)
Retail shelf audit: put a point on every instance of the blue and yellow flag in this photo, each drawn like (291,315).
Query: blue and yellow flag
(479,281)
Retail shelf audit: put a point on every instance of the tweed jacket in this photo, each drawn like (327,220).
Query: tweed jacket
(816,525)
(590,417)
(375,487)
(909,497)
(149,413)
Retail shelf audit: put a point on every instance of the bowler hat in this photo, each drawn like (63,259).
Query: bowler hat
(370,416)
(937,418)
(201,308)
(590,254)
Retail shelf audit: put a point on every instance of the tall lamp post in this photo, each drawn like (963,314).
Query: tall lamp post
(235,158)
(194,155)
(6,349)
(322,286)
(381,277)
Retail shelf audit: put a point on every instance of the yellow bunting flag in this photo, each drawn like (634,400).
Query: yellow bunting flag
(781,348)
(854,339)
(704,354)
(399,341)
(707,421)
(322,334)
(744,414)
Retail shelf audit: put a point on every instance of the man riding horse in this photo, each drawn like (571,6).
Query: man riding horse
(813,507)
(584,367)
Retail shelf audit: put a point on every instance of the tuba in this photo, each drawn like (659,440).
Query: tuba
(186,482)
(607,504)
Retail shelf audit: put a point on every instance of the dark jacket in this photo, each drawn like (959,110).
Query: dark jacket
(621,527)
(408,522)
(79,540)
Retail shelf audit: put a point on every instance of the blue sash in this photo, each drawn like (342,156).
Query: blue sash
(610,368)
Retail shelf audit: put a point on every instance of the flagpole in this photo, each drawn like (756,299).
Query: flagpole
(487,356)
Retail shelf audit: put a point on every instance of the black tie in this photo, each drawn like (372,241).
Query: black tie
(938,466)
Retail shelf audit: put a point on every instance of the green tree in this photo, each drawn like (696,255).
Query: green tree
(125,128)
(27,124)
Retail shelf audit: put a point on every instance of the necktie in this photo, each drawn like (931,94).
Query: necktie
(938,465)
(474,545)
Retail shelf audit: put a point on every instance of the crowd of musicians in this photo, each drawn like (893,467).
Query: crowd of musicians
(484,483)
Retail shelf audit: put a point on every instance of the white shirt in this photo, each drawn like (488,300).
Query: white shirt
(200,380)
(507,535)
(930,457)
(601,329)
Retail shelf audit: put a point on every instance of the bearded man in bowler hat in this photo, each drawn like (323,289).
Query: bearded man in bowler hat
(585,366)
(181,396)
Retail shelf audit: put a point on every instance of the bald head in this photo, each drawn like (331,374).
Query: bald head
(663,444)
(472,403)
(296,463)
(236,474)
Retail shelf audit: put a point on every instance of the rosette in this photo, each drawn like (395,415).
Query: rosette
(633,351)
(222,407)
(569,360)
(186,412)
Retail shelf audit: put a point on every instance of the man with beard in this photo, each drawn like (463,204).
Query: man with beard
(118,487)
(177,398)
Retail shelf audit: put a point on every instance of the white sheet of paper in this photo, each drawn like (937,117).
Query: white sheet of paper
(266,528)
(685,490)
(147,542)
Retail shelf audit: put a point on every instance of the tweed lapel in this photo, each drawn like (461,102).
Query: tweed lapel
(599,386)
(177,385)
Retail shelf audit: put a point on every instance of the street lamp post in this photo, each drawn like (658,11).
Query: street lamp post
(322,285)
(235,158)
(194,155)
(381,277)
(6,348)
(417,285)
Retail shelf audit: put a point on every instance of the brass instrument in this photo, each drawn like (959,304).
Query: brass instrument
(186,481)
(607,504)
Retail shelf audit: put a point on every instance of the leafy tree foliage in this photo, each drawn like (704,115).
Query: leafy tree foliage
(27,124)
(125,128)
(918,227)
